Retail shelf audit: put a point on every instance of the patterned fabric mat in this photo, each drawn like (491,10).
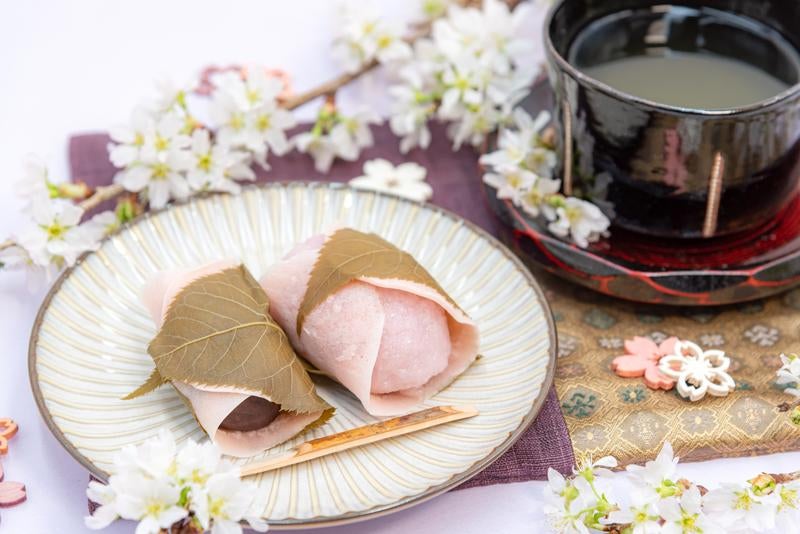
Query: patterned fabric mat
(604,414)
(607,414)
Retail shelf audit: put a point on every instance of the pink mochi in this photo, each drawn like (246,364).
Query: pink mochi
(415,344)
(211,405)
(392,343)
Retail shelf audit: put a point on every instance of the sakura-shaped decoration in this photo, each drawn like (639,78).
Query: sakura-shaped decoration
(11,493)
(642,358)
(698,372)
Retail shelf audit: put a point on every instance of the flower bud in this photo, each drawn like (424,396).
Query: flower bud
(795,415)
(763,484)
(570,493)
(72,191)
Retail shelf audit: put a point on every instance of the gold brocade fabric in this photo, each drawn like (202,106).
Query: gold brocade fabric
(607,414)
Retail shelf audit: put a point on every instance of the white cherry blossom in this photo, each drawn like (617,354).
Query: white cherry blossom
(363,36)
(56,235)
(247,92)
(789,373)
(216,167)
(519,146)
(511,183)
(159,484)
(463,83)
(579,220)
(563,504)
(470,74)
(657,476)
(106,513)
(789,506)
(685,515)
(412,107)
(473,126)
(163,180)
(172,96)
(35,180)
(352,133)
(321,147)
(534,199)
(166,135)
(336,136)
(258,130)
(152,459)
(223,501)
(739,509)
(103,223)
(128,140)
(152,502)
(587,467)
(641,514)
(489,33)
(198,461)
(153,156)
(247,115)
(405,180)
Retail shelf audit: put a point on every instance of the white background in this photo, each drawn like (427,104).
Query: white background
(76,66)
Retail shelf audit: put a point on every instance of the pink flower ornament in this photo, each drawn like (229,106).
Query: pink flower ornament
(11,493)
(641,359)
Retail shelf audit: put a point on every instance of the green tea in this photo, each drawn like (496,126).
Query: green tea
(698,81)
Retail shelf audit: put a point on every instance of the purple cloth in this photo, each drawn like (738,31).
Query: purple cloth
(455,179)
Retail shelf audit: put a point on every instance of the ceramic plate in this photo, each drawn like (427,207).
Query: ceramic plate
(88,347)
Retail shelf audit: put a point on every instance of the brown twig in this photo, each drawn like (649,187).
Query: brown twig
(328,87)
(786,477)
(101,194)
(787,406)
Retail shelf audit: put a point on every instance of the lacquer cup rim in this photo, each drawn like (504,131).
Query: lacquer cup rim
(556,58)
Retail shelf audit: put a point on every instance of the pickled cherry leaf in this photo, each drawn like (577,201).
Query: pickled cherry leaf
(218,332)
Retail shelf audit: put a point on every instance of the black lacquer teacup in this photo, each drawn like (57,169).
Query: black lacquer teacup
(669,168)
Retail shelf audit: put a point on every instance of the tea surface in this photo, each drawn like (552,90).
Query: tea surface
(698,81)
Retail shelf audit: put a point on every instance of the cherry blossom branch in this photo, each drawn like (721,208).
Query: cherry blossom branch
(419,30)
(102,194)
(105,193)
(764,480)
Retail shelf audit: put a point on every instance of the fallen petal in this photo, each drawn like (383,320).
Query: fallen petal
(11,494)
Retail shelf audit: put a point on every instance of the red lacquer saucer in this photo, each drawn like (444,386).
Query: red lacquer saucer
(698,272)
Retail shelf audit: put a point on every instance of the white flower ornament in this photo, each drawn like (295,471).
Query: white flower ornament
(698,372)
(406,180)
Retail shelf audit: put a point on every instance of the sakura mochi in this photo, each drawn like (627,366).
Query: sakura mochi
(228,359)
(368,315)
